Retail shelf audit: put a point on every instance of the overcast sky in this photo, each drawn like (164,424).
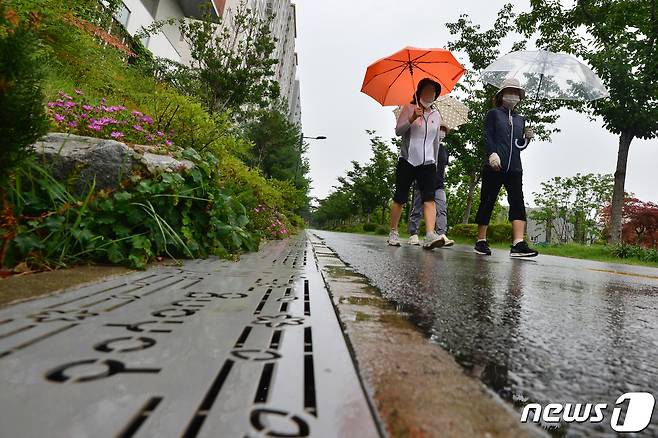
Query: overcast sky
(337,40)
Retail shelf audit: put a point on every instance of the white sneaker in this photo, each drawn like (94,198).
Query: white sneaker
(394,238)
(433,240)
(447,242)
(414,240)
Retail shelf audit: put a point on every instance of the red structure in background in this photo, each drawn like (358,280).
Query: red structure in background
(639,222)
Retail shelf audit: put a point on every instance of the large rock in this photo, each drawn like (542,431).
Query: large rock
(83,158)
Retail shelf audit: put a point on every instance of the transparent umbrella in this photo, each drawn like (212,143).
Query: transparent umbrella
(546,75)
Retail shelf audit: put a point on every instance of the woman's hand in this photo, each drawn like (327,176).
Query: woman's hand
(418,111)
(529,133)
(494,161)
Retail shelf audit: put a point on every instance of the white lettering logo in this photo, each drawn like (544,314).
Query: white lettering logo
(636,419)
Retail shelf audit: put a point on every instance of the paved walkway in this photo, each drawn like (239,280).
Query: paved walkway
(211,348)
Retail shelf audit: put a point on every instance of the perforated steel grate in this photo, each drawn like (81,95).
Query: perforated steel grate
(214,348)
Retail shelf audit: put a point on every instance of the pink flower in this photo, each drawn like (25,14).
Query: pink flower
(138,128)
(168,142)
(116,134)
(70,104)
(137,113)
(87,107)
(95,127)
(78,92)
(147,120)
(58,117)
(72,124)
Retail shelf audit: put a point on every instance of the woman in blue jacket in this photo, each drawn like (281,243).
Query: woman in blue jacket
(505,137)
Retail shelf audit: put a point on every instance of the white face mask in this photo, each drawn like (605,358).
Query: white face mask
(442,135)
(510,100)
(426,103)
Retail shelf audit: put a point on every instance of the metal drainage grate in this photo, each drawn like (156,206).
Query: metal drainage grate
(247,349)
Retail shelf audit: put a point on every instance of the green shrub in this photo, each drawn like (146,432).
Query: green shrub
(179,215)
(369,227)
(501,232)
(382,230)
(624,251)
(469,231)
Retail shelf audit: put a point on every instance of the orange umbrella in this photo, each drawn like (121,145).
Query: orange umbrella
(392,80)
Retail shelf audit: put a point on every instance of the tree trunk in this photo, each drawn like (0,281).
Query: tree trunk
(469,199)
(549,230)
(618,193)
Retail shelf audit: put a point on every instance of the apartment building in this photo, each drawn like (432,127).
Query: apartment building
(135,14)
(284,30)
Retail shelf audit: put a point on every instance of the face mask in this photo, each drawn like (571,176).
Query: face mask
(425,103)
(510,100)
(442,135)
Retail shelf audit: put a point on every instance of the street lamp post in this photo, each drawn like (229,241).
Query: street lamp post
(302,137)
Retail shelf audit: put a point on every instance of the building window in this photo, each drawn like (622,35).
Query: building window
(151,6)
(122,15)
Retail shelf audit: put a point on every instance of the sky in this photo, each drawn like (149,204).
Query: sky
(337,40)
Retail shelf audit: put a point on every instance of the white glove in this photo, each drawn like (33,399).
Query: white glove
(494,161)
(529,133)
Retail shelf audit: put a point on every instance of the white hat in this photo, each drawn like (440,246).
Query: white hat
(512,83)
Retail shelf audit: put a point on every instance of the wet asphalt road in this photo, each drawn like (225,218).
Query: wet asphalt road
(545,330)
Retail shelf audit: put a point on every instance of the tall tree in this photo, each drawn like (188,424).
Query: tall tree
(276,149)
(619,40)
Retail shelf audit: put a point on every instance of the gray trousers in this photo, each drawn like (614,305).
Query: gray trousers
(441,212)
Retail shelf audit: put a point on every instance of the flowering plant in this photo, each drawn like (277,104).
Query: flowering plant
(271,222)
(76,115)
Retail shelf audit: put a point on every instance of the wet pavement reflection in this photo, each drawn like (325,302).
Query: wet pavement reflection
(547,330)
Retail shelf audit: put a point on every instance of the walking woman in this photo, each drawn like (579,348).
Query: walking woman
(418,125)
(439,199)
(505,136)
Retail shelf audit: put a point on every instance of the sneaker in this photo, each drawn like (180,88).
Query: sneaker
(482,247)
(394,238)
(414,240)
(433,240)
(448,242)
(522,249)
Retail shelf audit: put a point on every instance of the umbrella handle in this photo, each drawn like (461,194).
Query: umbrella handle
(522,145)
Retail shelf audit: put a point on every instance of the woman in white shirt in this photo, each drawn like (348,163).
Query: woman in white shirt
(419,126)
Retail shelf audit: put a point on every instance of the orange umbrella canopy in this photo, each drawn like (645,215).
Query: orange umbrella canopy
(392,80)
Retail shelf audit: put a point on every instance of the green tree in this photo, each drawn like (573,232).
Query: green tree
(363,189)
(232,67)
(571,206)
(276,149)
(619,40)
(22,112)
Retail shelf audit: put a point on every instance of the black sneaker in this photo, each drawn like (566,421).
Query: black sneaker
(522,249)
(482,247)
